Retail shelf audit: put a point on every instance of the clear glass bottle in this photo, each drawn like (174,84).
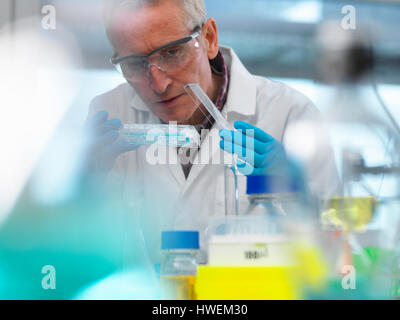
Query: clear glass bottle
(273,198)
(179,264)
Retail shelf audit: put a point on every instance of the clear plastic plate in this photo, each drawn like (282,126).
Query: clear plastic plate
(161,134)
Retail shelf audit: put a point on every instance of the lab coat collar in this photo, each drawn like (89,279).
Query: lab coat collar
(241,94)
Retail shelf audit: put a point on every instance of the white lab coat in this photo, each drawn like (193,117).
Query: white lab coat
(168,200)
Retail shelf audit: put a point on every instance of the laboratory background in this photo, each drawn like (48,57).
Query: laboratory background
(65,235)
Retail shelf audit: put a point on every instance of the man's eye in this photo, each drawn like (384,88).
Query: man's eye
(170,52)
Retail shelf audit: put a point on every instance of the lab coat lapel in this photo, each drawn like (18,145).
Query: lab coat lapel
(242,95)
(175,167)
(208,154)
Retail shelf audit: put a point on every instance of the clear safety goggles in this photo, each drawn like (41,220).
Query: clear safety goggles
(169,58)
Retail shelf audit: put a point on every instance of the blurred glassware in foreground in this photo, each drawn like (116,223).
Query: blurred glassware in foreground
(52,220)
(367,150)
(37,86)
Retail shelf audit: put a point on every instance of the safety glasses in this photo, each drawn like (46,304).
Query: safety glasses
(168,58)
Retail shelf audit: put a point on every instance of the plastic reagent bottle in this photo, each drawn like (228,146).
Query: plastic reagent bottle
(179,264)
(272,204)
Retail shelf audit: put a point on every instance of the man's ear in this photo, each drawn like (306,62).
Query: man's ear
(210,36)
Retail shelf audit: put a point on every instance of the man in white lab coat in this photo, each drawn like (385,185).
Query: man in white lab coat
(160,46)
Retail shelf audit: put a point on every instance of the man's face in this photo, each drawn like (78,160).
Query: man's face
(145,29)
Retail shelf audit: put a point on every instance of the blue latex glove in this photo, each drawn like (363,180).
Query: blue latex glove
(105,145)
(261,153)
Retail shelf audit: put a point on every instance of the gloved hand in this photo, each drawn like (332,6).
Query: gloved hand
(105,144)
(261,153)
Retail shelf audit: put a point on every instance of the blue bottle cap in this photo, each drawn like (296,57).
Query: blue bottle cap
(270,184)
(180,240)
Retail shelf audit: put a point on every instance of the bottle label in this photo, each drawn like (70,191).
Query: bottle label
(260,251)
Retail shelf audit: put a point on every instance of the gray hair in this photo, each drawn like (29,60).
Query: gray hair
(194,10)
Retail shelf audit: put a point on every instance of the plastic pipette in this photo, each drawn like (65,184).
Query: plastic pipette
(200,98)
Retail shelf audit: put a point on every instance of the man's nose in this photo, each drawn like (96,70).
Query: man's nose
(159,80)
